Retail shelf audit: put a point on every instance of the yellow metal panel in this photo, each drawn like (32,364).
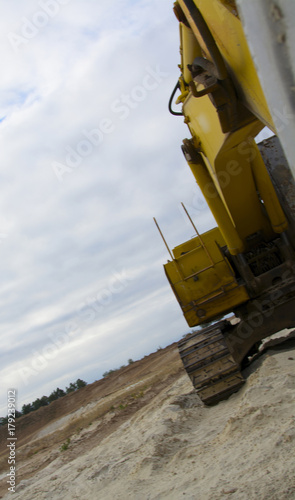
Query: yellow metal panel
(217,207)
(209,238)
(223,157)
(189,49)
(204,287)
(229,36)
(236,168)
(218,307)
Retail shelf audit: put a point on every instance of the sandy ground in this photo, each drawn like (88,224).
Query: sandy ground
(144,434)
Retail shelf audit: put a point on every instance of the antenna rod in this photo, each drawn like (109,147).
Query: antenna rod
(200,238)
(163,239)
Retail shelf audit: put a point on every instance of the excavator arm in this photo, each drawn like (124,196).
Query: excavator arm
(246,265)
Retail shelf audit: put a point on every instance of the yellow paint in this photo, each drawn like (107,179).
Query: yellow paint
(189,49)
(226,165)
(229,36)
(232,159)
(203,289)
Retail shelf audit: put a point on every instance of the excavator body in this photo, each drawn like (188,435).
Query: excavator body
(246,265)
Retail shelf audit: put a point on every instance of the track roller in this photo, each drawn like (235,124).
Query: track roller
(210,365)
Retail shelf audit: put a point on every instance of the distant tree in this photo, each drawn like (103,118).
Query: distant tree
(44,401)
(71,388)
(106,374)
(52,397)
(27,409)
(80,383)
(130,361)
(36,404)
(58,393)
(4,420)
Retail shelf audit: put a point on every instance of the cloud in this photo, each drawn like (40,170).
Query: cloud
(89,92)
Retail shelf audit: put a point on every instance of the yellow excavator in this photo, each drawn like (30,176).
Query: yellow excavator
(237,77)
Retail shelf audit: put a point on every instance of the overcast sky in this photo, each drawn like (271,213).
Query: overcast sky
(89,155)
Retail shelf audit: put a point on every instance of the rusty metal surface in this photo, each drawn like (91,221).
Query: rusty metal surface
(282,178)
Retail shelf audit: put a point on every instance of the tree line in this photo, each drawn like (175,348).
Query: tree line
(109,372)
(46,400)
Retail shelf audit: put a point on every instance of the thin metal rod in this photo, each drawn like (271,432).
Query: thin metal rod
(199,236)
(198,272)
(163,239)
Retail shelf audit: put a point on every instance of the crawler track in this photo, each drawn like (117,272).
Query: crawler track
(210,365)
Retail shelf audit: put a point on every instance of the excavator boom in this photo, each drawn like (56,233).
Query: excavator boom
(246,265)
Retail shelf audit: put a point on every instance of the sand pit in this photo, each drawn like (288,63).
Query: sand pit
(160,441)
